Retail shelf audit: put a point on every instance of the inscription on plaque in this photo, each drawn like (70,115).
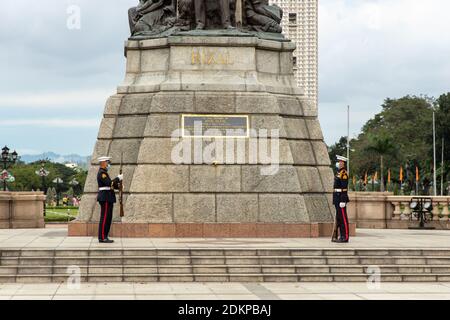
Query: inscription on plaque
(210,126)
(210,57)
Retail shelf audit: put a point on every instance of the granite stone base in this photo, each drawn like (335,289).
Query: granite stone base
(208,230)
(232,194)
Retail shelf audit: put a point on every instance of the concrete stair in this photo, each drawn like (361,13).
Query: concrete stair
(225,265)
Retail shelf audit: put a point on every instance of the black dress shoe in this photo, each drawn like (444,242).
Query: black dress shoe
(342,241)
(334,240)
(106,241)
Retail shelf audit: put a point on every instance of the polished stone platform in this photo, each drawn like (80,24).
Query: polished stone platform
(56,237)
(208,230)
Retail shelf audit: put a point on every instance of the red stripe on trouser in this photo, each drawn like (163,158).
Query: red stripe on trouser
(345,224)
(104,220)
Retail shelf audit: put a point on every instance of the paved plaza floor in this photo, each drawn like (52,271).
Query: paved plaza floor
(226,291)
(56,237)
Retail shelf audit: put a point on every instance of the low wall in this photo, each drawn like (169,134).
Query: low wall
(376,210)
(21,210)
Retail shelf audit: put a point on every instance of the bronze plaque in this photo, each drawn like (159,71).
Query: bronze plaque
(214,126)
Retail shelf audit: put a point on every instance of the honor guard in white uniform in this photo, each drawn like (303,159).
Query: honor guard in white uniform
(106,197)
(340,201)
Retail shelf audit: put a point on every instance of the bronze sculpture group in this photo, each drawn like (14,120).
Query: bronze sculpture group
(155,17)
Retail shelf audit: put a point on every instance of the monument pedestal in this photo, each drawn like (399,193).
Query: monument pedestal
(172,188)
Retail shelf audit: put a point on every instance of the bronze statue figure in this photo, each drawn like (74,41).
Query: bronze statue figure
(205,14)
(158,17)
(200,14)
(152,15)
(185,14)
(263,17)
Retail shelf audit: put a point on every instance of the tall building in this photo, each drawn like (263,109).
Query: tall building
(300,24)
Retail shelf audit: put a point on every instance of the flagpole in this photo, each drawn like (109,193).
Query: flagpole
(401,179)
(389,180)
(417,180)
(348,140)
(442,168)
(434,155)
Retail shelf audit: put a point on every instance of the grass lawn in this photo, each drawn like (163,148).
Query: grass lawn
(60,215)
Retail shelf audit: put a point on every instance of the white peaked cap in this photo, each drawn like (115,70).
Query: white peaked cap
(101,159)
(341,158)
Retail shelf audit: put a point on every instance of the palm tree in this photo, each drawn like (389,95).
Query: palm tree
(382,145)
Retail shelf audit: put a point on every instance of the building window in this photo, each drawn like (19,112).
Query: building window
(292,18)
(294,61)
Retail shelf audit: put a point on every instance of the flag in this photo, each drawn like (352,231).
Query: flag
(417,174)
(354,181)
(389,175)
(401,174)
(365,178)
(375,177)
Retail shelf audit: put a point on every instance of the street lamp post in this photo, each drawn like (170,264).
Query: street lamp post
(442,168)
(434,156)
(7,159)
(348,141)
(43,173)
(57,181)
(74,183)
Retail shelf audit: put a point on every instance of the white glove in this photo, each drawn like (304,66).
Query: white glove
(120,177)
(342,204)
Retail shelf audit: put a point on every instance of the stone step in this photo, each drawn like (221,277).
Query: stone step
(214,260)
(180,277)
(221,252)
(230,269)
(224,265)
(206,256)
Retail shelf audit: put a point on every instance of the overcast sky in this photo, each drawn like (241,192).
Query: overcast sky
(54,81)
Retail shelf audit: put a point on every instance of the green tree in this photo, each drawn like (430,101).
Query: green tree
(339,148)
(382,146)
(443,131)
(70,193)
(408,122)
(27,179)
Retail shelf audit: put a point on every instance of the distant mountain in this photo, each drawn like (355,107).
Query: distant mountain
(82,161)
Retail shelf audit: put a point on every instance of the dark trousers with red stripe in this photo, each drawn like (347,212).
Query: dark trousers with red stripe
(106,214)
(342,222)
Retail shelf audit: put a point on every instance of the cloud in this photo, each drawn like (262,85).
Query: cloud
(59,100)
(28,151)
(55,81)
(52,123)
(373,49)
(368,50)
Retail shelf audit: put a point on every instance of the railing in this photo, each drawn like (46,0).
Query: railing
(402,211)
(384,210)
